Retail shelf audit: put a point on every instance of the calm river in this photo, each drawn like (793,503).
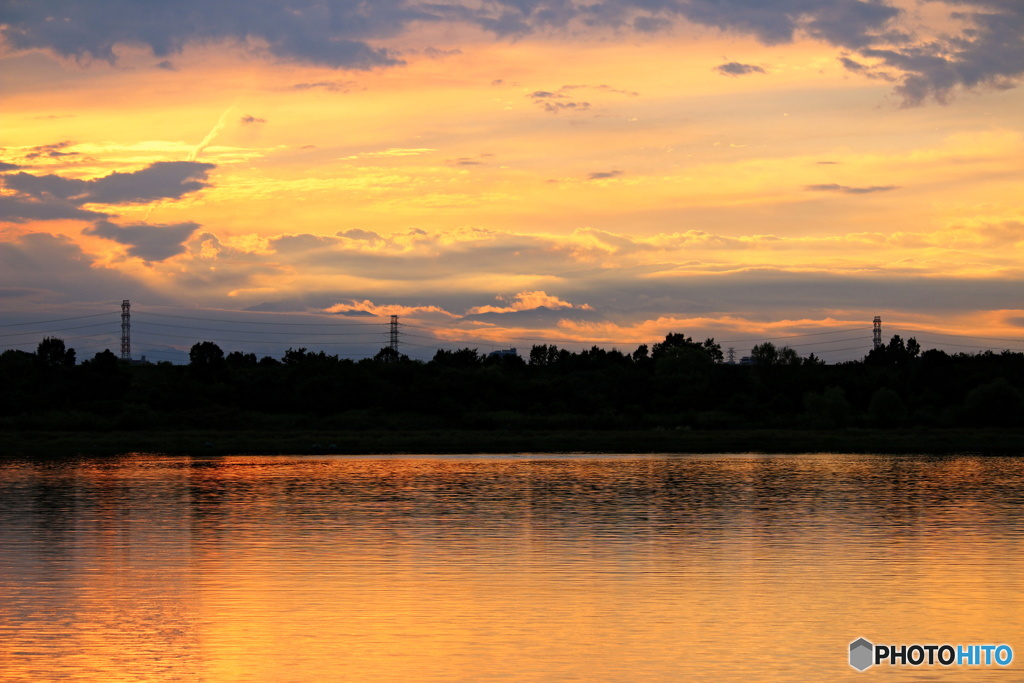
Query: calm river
(505,568)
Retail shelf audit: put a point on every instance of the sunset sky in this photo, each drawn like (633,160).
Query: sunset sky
(510,172)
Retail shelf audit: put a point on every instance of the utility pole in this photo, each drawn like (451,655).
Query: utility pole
(126,330)
(876,334)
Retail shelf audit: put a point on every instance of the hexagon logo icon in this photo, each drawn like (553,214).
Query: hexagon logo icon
(861,654)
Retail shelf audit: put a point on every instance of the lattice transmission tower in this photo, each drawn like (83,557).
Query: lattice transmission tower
(876,333)
(126,330)
(393,336)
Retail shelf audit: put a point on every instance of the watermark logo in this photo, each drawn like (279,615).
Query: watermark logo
(864,654)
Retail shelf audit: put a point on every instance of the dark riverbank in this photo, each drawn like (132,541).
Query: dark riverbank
(677,397)
(917,441)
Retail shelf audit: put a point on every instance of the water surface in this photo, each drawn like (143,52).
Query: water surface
(511,568)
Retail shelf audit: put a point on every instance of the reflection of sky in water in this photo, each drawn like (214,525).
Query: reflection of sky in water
(502,568)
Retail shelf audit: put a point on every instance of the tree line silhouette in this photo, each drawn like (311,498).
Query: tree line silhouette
(675,383)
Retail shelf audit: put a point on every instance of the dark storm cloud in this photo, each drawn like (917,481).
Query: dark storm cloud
(848,23)
(337,32)
(51,197)
(988,54)
(766,293)
(645,24)
(148,242)
(737,69)
(53,269)
(398,261)
(844,189)
(541,316)
(160,180)
(21,209)
(346,33)
(332,33)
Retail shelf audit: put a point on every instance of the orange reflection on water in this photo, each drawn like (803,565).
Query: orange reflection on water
(519,569)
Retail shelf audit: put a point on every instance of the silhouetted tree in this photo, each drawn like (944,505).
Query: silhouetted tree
(206,360)
(713,349)
(675,340)
(104,362)
(237,360)
(913,348)
(764,354)
(788,356)
(51,353)
(894,354)
(389,355)
(544,354)
(462,358)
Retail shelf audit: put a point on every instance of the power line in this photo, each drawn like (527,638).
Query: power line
(258,322)
(851,348)
(221,329)
(829,341)
(966,346)
(290,342)
(790,336)
(59,329)
(967,336)
(57,320)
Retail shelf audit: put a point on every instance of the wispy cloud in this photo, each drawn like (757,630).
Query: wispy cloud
(737,69)
(845,189)
(395,152)
(604,175)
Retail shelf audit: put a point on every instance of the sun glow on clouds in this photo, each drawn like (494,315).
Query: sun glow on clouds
(525,301)
(717,170)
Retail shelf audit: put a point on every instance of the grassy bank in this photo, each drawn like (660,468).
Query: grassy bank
(927,441)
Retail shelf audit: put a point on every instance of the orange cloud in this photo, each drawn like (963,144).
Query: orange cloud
(526,301)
